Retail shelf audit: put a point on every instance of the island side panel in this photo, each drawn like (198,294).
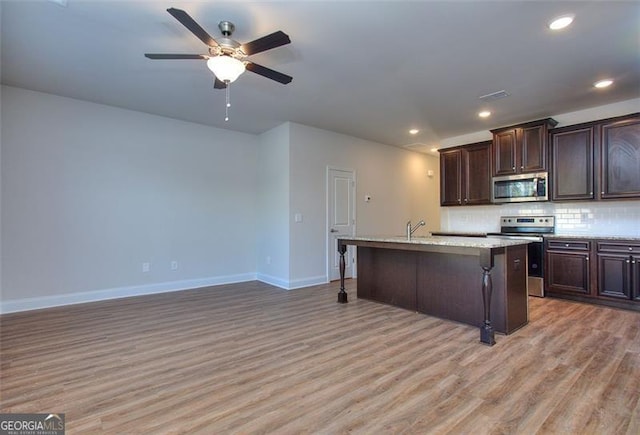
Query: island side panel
(388,276)
(449,286)
(517,299)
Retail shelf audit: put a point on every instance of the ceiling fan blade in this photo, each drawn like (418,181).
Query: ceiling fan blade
(265,43)
(269,73)
(194,27)
(175,56)
(219,84)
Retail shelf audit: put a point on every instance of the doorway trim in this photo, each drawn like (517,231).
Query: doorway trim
(350,254)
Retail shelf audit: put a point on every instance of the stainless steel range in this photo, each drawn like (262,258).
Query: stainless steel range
(530,228)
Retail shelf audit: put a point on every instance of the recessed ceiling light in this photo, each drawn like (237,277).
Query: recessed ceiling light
(603,83)
(561,22)
(414,131)
(484,114)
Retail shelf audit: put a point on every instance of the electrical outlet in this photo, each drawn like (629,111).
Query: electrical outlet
(146,267)
(174,265)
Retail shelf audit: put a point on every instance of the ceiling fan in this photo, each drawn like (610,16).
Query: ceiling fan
(227,59)
(227,47)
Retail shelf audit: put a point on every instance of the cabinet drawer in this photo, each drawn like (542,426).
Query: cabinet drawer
(569,245)
(619,247)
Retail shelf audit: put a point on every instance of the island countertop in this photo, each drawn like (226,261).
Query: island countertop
(451,241)
(445,276)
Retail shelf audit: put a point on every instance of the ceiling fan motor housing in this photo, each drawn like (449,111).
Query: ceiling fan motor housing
(226,27)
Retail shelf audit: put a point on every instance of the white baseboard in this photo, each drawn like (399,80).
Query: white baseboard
(308,282)
(278,282)
(27,304)
(292,285)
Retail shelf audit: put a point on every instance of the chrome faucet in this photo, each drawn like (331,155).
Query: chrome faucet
(411,230)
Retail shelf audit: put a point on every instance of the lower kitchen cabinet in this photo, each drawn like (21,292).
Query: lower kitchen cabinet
(618,270)
(635,278)
(612,278)
(568,267)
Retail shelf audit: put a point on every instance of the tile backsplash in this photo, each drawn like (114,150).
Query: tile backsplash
(589,218)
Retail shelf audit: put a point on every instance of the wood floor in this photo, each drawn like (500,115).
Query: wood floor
(251,358)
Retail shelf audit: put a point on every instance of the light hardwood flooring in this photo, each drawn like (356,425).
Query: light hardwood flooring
(251,358)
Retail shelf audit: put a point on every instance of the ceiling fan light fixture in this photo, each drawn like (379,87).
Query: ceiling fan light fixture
(561,22)
(601,84)
(226,68)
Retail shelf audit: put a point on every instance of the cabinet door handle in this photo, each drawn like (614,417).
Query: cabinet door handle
(587,258)
(628,261)
(630,248)
(522,167)
(566,245)
(513,168)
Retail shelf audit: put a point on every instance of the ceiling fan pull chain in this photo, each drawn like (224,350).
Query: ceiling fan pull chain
(228,100)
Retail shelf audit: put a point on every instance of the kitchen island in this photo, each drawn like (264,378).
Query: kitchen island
(477,281)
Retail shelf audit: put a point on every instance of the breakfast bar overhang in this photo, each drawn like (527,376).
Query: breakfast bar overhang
(477,281)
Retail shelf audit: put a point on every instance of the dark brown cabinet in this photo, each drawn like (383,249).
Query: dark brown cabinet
(618,266)
(620,157)
(635,278)
(521,148)
(572,170)
(612,278)
(568,266)
(596,160)
(465,174)
(450,177)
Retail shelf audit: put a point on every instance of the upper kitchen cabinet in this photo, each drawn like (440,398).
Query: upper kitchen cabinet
(450,177)
(465,174)
(596,160)
(572,169)
(620,158)
(521,148)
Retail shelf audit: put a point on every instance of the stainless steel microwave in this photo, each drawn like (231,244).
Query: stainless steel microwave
(520,188)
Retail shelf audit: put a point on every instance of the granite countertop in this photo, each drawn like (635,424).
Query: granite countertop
(459,233)
(590,237)
(454,241)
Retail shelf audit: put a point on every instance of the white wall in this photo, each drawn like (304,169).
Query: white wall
(272,214)
(90,192)
(1,90)
(585,218)
(396,180)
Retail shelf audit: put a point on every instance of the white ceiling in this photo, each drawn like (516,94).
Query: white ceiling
(369,69)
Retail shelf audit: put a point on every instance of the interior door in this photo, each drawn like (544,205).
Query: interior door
(340,218)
